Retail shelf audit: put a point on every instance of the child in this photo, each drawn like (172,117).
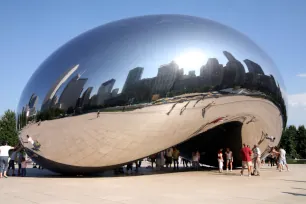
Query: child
(23,167)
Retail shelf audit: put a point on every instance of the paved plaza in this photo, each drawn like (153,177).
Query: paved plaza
(42,186)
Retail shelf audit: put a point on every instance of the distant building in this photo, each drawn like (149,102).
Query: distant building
(212,72)
(71,93)
(229,56)
(133,76)
(84,101)
(33,101)
(51,93)
(234,72)
(104,91)
(253,67)
(191,73)
(165,78)
(115,92)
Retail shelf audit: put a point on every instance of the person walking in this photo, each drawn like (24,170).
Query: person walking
(282,159)
(246,159)
(169,154)
(4,156)
(256,160)
(229,159)
(23,167)
(175,155)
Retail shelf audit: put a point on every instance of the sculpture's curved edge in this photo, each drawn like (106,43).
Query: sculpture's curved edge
(216,116)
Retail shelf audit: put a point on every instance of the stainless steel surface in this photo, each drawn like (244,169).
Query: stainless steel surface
(157,81)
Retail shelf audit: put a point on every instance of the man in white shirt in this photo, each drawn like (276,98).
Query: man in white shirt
(282,159)
(4,156)
(36,145)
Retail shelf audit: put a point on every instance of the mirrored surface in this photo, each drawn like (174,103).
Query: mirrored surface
(134,87)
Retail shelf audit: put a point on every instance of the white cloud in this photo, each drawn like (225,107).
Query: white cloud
(297,109)
(301,75)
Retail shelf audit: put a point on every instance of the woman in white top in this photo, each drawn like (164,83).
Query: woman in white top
(4,156)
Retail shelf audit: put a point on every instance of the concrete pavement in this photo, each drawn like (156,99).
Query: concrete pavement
(193,187)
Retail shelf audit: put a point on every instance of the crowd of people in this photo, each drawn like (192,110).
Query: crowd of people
(251,159)
(9,157)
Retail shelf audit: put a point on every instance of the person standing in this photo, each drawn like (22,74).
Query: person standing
(23,167)
(220,160)
(256,160)
(246,159)
(13,158)
(4,156)
(229,159)
(169,157)
(19,160)
(175,155)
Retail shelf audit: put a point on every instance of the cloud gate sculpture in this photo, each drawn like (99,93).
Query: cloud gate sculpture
(134,87)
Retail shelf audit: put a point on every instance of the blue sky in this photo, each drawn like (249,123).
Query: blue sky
(32,30)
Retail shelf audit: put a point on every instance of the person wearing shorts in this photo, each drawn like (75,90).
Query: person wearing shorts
(282,160)
(4,157)
(246,159)
(229,159)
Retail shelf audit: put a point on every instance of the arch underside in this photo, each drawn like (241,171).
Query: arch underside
(86,144)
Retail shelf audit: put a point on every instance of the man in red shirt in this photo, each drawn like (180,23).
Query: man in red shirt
(246,159)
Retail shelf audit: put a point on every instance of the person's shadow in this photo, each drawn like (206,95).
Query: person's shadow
(295,194)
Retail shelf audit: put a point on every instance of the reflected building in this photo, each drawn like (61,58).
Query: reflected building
(192,73)
(234,72)
(133,77)
(212,72)
(115,92)
(33,101)
(85,97)
(165,78)
(104,91)
(62,79)
(253,67)
(71,93)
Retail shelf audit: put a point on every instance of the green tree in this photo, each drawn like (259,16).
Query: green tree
(8,131)
(301,141)
(288,141)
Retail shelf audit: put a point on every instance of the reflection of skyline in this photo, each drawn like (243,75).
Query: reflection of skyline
(169,81)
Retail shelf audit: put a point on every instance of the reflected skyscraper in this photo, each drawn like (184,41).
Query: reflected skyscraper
(71,93)
(115,92)
(33,101)
(166,77)
(57,85)
(85,97)
(104,91)
(212,72)
(133,76)
(234,72)
(253,67)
